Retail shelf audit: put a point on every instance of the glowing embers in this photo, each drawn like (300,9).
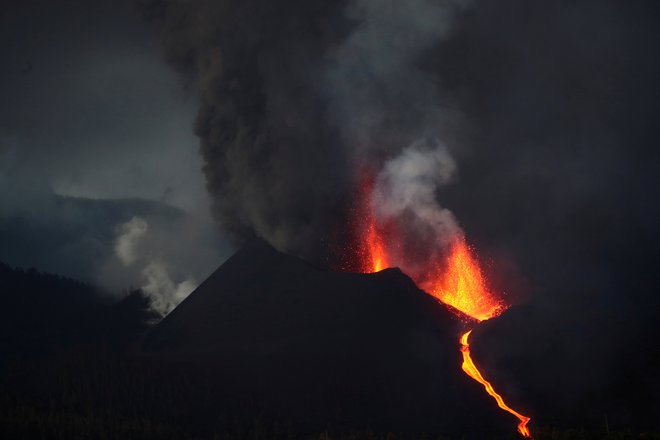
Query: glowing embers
(377,254)
(471,370)
(456,281)
(371,250)
(462,286)
(452,273)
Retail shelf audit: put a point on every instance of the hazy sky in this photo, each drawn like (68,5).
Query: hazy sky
(90,110)
(90,107)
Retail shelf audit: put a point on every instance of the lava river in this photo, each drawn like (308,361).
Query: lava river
(457,280)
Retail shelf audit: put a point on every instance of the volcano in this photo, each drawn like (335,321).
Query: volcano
(319,347)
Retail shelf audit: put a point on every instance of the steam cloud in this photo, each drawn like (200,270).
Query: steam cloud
(406,192)
(157,284)
(408,183)
(128,240)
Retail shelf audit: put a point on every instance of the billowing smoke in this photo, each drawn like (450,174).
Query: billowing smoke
(296,95)
(132,250)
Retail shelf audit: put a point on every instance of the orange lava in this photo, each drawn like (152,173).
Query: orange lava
(459,282)
(377,255)
(372,255)
(462,285)
(471,370)
(375,244)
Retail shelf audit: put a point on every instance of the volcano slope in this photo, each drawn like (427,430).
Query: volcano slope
(274,335)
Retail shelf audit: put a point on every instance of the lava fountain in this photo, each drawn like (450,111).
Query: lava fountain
(459,282)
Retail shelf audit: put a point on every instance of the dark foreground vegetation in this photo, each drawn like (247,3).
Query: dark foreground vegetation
(69,371)
(112,400)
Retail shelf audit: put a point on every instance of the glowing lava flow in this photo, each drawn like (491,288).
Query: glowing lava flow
(464,288)
(459,284)
(462,285)
(471,370)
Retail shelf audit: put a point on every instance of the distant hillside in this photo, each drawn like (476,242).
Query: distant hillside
(42,313)
(77,235)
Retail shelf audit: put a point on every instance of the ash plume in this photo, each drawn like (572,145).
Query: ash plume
(294,95)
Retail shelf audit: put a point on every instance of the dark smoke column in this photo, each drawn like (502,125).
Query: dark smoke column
(294,97)
(274,163)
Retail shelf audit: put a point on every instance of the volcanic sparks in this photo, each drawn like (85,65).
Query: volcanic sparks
(377,253)
(462,285)
(372,256)
(458,283)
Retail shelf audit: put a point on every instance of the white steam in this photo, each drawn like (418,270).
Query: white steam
(157,282)
(128,239)
(406,190)
(165,294)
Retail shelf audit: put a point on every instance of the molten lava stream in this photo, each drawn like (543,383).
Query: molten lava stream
(471,370)
(460,284)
